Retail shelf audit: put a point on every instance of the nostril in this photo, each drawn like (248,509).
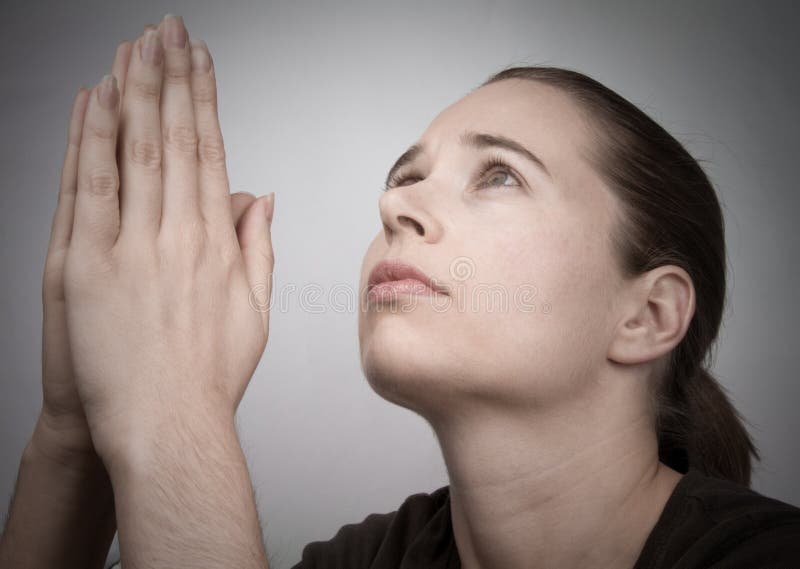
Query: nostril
(417,226)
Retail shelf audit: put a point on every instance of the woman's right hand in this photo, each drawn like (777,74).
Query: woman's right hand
(62,431)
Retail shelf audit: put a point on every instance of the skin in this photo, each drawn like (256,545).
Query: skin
(62,412)
(542,415)
(146,234)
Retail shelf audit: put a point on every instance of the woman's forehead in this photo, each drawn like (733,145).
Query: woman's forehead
(538,116)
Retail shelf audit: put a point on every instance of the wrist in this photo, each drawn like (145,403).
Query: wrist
(139,446)
(63,445)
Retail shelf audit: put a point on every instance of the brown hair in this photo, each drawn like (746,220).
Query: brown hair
(671,217)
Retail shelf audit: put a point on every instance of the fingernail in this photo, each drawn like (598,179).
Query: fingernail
(107,93)
(270,207)
(174,31)
(200,59)
(151,50)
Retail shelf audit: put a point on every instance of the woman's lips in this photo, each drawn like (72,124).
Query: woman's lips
(392,277)
(389,290)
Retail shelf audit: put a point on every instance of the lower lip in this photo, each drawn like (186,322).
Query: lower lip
(392,289)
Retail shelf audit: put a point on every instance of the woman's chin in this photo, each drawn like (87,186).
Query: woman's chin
(403,369)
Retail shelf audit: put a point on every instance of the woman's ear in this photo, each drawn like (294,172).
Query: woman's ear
(659,309)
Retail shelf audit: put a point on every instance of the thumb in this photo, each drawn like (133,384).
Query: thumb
(255,240)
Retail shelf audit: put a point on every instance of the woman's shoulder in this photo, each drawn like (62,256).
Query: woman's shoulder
(724,502)
(711,522)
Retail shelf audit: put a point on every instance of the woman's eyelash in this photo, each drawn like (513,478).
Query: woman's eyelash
(489,163)
(496,162)
(395,179)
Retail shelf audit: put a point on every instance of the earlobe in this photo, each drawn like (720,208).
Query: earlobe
(661,307)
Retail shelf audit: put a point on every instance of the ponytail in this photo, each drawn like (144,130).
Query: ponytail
(699,428)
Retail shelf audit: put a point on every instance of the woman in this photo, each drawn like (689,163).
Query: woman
(578,423)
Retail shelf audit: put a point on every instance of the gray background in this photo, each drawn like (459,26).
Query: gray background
(316,101)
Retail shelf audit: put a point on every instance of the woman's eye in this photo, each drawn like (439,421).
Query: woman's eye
(404,180)
(496,179)
(500,176)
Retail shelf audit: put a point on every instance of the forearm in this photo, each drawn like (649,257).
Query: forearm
(62,513)
(184,499)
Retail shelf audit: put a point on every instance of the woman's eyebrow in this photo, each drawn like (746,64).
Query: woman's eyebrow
(404,159)
(479,140)
(483,140)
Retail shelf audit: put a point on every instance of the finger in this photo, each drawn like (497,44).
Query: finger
(62,219)
(213,187)
(255,240)
(119,68)
(179,164)
(140,161)
(240,201)
(96,223)
(56,360)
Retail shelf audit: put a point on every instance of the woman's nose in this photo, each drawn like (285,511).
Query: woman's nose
(405,215)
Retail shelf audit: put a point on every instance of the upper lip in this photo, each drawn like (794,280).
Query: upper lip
(397,270)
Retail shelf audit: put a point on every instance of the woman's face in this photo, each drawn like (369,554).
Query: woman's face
(524,251)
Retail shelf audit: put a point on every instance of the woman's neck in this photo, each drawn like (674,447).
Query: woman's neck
(566,489)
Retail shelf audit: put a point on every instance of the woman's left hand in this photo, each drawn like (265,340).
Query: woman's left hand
(166,303)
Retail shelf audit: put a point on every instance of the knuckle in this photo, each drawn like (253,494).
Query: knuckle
(99,131)
(188,232)
(181,137)
(145,153)
(204,92)
(229,252)
(177,71)
(101,181)
(149,91)
(192,232)
(53,280)
(211,151)
(83,271)
(267,256)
